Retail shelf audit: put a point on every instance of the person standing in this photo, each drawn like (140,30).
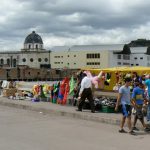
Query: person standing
(124,99)
(86,92)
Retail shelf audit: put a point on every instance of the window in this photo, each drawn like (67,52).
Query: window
(119,63)
(93,63)
(135,57)
(24,60)
(68,55)
(14,62)
(46,59)
(74,55)
(36,46)
(29,46)
(126,57)
(87,55)
(132,65)
(119,56)
(141,57)
(39,59)
(96,55)
(74,63)
(126,63)
(2,61)
(8,62)
(31,59)
(137,64)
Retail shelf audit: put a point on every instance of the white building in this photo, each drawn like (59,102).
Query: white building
(32,55)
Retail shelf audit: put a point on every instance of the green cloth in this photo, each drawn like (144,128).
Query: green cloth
(72,86)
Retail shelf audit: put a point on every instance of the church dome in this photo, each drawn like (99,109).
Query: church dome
(33,38)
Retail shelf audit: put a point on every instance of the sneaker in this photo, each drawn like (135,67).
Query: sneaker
(146,129)
(122,131)
(132,132)
(135,128)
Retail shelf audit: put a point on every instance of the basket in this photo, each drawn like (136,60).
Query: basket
(108,109)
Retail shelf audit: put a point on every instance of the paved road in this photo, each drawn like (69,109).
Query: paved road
(28,130)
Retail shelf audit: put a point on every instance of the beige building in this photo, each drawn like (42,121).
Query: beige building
(85,56)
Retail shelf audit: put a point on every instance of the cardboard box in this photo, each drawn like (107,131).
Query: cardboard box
(9,92)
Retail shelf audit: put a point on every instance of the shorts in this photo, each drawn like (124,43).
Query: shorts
(126,110)
(139,112)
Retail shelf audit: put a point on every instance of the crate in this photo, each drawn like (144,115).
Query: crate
(108,109)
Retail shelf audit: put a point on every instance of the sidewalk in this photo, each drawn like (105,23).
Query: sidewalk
(68,111)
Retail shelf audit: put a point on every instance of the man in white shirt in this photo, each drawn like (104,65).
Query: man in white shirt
(86,92)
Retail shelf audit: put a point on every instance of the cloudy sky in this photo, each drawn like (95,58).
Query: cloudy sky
(73,22)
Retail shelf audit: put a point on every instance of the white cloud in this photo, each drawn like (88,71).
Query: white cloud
(62,22)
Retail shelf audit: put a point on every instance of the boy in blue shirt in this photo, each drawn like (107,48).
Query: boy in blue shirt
(138,99)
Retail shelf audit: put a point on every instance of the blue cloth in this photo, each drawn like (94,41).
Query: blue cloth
(125,92)
(138,95)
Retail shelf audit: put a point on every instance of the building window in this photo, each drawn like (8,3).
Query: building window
(39,59)
(126,63)
(132,65)
(137,64)
(119,57)
(14,62)
(135,57)
(31,59)
(74,63)
(29,46)
(74,55)
(2,61)
(119,63)
(46,59)
(8,62)
(87,55)
(24,60)
(141,57)
(36,46)
(96,55)
(93,63)
(68,55)
(28,73)
(38,73)
(126,57)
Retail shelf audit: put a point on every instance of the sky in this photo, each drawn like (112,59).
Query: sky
(73,22)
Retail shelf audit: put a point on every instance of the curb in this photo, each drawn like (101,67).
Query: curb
(77,115)
(96,117)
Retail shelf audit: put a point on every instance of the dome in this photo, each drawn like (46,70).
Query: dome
(33,38)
